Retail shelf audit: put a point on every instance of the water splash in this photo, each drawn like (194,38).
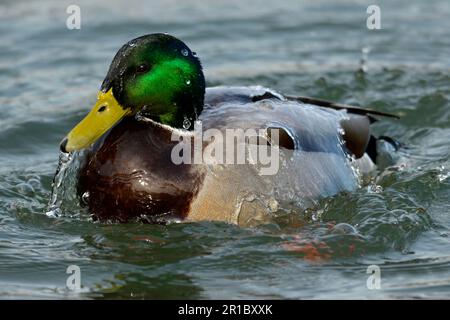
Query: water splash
(443,175)
(85,197)
(64,200)
(363,63)
(63,164)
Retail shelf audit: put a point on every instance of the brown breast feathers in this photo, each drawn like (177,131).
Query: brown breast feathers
(130,175)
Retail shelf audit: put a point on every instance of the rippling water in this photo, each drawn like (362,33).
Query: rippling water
(48,79)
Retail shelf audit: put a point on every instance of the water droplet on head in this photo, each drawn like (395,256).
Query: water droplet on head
(184,52)
(188,82)
(186,123)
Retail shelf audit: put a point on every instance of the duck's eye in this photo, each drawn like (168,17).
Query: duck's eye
(102,108)
(142,68)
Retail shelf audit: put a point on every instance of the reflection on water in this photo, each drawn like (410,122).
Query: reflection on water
(49,76)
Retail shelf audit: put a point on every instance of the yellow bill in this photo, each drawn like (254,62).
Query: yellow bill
(105,114)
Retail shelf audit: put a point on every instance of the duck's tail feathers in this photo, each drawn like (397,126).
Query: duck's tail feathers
(383,151)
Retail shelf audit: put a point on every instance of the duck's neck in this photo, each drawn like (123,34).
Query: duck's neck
(182,113)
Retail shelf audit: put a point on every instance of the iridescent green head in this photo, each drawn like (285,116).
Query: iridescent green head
(156,74)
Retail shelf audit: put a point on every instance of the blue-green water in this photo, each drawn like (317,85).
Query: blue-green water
(49,76)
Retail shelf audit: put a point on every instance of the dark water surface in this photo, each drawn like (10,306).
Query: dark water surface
(49,76)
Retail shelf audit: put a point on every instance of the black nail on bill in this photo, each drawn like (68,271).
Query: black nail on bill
(62,146)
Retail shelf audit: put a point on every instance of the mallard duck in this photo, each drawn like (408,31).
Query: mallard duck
(155,88)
